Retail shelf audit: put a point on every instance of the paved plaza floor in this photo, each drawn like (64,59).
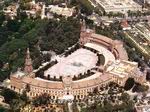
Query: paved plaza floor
(107,54)
(78,62)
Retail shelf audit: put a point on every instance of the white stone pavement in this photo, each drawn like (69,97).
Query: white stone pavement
(107,54)
(78,62)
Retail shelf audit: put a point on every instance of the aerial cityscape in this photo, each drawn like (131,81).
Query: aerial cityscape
(74,55)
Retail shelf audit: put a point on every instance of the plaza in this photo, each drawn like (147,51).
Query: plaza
(96,62)
(78,62)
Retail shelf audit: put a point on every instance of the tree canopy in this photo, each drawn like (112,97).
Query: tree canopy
(18,34)
(129,84)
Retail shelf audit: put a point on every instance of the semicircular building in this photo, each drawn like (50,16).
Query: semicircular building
(92,63)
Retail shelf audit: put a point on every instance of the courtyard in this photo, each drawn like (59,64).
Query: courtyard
(78,62)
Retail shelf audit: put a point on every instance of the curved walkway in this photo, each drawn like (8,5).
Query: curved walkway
(107,54)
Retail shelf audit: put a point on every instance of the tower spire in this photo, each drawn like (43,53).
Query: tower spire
(83,25)
(28,62)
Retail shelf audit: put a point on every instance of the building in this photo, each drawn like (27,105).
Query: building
(64,11)
(11,11)
(144,29)
(142,2)
(142,108)
(68,82)
(115,6)
(125,25)
(34,10)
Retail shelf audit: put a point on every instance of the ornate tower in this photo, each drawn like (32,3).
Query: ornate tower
(28,63)
(85,33)
(67,81)
(83,25)
(112,47)
(82,33)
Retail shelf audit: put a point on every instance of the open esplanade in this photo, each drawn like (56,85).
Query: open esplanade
(79,73)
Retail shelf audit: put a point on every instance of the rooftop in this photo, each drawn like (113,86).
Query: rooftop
(116,5)
(145,30)
(121,68)
(60,10)
(19,74)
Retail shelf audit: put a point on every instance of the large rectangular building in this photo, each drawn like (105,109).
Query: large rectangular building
(122,6)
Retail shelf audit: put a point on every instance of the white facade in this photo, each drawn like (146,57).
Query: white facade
(119,5)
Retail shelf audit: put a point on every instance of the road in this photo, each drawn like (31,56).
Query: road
(106,18)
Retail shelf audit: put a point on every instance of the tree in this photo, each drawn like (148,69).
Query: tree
(43,99)
(47,57)
(95,91)
(18,34)
(108,107)
(7,2)
(24,97)
(1,64)
(37,62)
(26,26)
(101,59)
(27,88)
(148,75)
(13,25)
(3,109)
(74,107)
(14,45)
(125,97)
(129,84)
(140,88)
(110,91)
(9,95)
(2,18)
(86,7)
(110,14)
(16,105)
(65,107)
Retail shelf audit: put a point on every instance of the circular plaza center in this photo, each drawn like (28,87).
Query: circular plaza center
(77,63)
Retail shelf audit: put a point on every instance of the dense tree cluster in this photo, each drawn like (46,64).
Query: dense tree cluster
(15,100)
(140,88)
(118,14)
(18,34)
(111,31)
(41,100)
(127,105)
(138,13)
(51,2)
(148,75)
(129,84)
(101,60)
(71,50)
(136,87)
(83,75)
(86,7)
(60,35)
